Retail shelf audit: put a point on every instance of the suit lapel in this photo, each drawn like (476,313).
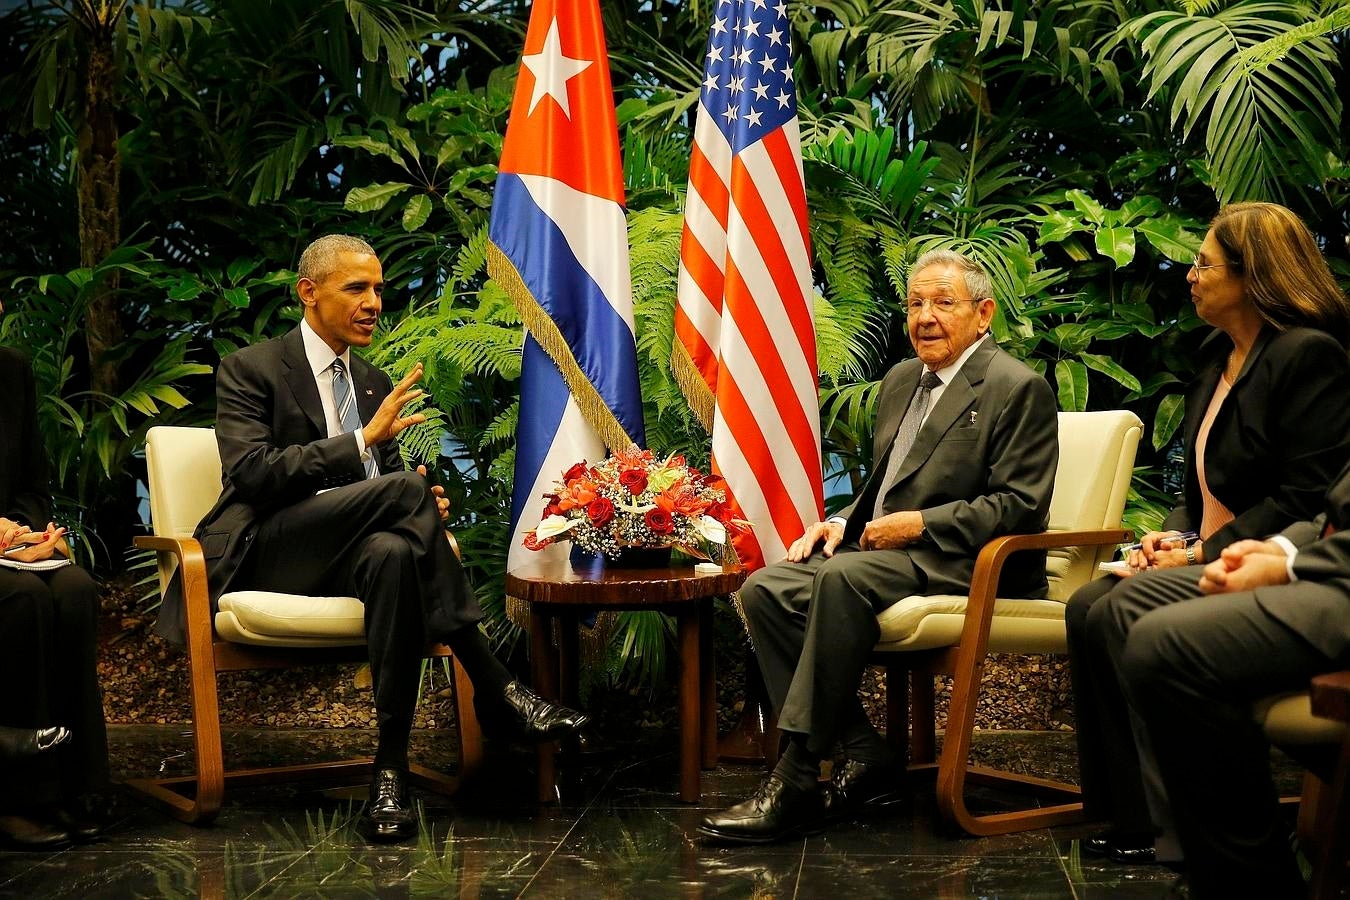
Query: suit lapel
(889,415)
(300,380)
(956,399)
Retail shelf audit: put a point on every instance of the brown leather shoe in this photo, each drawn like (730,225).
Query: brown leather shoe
(775,810)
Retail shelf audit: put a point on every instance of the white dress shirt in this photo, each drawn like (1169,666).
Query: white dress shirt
(320,357)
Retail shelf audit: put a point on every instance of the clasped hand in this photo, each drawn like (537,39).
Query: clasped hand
(1162,550)
(1245,566)
(38,545)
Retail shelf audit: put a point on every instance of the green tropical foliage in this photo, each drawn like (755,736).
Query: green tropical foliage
(1077,147)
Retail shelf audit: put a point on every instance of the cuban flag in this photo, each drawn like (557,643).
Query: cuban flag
(745,348)
(559,246)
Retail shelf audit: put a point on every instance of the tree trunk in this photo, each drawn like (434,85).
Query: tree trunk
(100,219)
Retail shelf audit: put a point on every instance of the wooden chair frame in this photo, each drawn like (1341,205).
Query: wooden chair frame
(1324,813)
(196,798)
(965,663)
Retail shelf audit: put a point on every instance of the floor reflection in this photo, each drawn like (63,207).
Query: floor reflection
(618,832)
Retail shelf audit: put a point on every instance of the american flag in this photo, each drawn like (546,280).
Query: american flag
(745,349)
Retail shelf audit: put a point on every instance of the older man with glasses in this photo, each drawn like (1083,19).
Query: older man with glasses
(965,450)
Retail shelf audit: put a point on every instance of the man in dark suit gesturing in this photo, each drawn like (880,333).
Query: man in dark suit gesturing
(965,448)
(1272,614)
(316,501)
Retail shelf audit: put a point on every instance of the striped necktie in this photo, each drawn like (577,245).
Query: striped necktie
(904,438)
(348,416)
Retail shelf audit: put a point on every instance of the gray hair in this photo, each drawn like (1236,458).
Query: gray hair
(977,279)
(320,257)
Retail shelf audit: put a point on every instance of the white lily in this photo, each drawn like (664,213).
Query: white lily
(554,526)
(710,529)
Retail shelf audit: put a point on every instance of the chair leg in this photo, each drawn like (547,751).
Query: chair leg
(1330,877)
(470,732)
(210,763)
(923,719)
(897,710)
(954,765)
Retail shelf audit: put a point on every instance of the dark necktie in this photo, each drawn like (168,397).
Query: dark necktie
(348,416)
(904,438)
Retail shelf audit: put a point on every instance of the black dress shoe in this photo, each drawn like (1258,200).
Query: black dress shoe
(857,787)
(1130,849)
(524,715)
(82,825)
(21,743)
(23,833)
(388,817)
(774,811)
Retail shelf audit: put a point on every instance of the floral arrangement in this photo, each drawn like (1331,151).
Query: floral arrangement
(635,500)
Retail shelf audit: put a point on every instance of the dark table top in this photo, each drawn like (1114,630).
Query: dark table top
(598,583)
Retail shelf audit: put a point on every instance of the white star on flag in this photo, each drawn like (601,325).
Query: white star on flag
(552,71)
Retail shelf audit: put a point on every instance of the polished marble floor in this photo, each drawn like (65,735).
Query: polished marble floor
(618,831)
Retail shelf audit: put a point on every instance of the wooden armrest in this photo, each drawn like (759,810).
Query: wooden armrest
(197,618)
(989,566)
(454,545)
(1331,696)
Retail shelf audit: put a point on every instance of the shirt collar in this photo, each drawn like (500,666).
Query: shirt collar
(947,373)
(319,354)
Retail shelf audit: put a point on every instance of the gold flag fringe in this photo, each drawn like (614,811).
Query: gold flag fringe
(695,389)
(545,331)
(593,641)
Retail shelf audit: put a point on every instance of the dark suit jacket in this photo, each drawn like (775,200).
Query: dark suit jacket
(1317,606)
(24,493)
(274,451)
(983,465)
(1279,439)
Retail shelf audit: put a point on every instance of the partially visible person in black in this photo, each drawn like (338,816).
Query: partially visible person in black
(1267,429)
(48,646)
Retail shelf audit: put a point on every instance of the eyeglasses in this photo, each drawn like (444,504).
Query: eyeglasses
(939,305)
(1196,265)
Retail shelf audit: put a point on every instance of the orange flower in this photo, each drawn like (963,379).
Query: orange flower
(578,493)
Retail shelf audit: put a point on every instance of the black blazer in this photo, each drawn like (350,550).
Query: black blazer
(1279,440)
(274,452)
(24,493)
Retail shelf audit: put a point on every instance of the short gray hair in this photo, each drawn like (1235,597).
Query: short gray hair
(978,282)
(320,257)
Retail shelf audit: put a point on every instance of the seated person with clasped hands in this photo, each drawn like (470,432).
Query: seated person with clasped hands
(54,750)
(965,450)
(316,501)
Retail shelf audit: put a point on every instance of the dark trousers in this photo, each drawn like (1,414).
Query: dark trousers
(381,540)
(1193,670)
(1120,777)
(49,673)
(813,625)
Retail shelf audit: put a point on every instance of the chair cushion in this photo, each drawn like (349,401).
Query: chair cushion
(1019,626)
(1287,720)
(291,620)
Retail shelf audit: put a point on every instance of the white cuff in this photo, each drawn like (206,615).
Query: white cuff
(1290,553)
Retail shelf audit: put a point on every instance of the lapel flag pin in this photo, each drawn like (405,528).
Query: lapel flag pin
(972,416)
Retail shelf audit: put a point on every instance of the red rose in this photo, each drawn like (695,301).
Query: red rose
(633,479)
(659,521)
(599,511)
(553,509)
(719,511)
(575,472)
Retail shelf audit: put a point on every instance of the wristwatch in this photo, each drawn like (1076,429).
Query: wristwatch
(1190,555)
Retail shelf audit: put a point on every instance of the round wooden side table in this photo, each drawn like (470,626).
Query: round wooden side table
(565,592)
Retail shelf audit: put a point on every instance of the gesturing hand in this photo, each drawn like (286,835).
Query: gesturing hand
(829,532)
(442,502)
(387,422)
